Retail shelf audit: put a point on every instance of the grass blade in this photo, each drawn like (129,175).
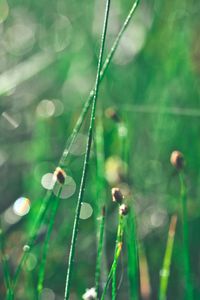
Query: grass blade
(183,195)
(165,272)
(132,249)
(99,251)
(86,160)
(118,248)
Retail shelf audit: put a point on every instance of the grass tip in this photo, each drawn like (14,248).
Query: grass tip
(117,195)
(177,160)
(112,114)
(123,209)
(60,175)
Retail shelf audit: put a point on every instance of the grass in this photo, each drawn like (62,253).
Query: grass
(130,154)
(165,272)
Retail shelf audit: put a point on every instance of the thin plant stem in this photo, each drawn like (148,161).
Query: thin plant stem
(183,195)
(117,253)
(132,252)
(88,102)
(100,190)
(100,251)
(46,243)
(99,139)
(165,272)
(118,241)
(86,160)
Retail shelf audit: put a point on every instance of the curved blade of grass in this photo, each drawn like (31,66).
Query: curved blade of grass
(165,272)
(46,243)
(132,250)
(86,160)
(183,195)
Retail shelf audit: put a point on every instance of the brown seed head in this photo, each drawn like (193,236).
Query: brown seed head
(111,113)
(123,209)
(117,195)
(177,160)
(60,175)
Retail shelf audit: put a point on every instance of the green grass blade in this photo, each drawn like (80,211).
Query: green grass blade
(165,272)
(86,160)
(183,195)
(132,251)
(99,251)
(100,201)
(118,248)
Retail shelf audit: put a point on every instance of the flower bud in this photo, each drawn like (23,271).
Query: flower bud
(117,195)
(60,175)
(123,209)
(111,113)
(177,160)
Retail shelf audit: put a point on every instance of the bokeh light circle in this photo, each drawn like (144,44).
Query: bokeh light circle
(68,188)
(86,211)
(21,206)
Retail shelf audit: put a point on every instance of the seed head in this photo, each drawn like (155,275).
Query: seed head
(177,160)
(60,175)
(117,195)
(123,209)
(111,113)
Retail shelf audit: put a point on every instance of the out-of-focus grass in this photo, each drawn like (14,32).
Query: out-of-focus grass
(155,67)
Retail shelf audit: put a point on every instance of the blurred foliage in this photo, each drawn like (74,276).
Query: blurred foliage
(48,60)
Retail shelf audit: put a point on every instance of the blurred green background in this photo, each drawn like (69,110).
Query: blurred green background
(48,61)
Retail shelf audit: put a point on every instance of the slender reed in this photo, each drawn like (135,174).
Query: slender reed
(132,252)
(118,248)
(118,244)
(99,251)
(41,272)
(165,272)
(100,190)
(86,160)
(177,161)
(183,195)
